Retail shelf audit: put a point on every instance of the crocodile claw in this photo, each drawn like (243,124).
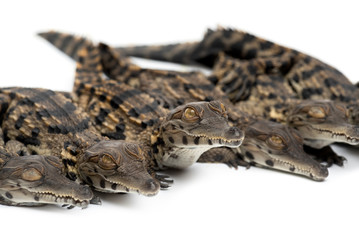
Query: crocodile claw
(96,201)
(336,160)
(238,161)
(165,180)
(68,206)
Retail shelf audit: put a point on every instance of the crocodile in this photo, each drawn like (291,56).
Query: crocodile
(36,180)
(175,88)
(175,137)
(281,78)
(308,77)
(49,124)
(321,122)
(278,147)
(273,146)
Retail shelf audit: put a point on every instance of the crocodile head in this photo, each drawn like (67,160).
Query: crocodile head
(321,122)
(280,147)
(117,166)
(37,180)
(193,128)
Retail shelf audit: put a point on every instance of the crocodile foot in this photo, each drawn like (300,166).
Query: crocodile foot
(325,155)
(337,160)
(165,180)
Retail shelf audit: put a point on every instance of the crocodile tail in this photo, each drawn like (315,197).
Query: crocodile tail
(69,44)
(177,53)
(115,66)
(233,42)
(92,56)
(88,67)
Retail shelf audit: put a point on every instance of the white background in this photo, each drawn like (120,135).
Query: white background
(206,201)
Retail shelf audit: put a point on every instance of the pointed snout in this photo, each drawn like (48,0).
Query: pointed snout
(320,173)
(150,187)
(83,192)
(234,134)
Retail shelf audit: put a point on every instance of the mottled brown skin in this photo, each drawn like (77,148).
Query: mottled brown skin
(122,111)
(194,85)
(174,88)
(308,78)
(37,180)
(173,138)
(48,123)
(271,96)
(264,72)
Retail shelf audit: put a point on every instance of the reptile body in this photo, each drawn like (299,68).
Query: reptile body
(273,80)
(37,180)
(175,137)
(49,124)
(278,147)
(175,88)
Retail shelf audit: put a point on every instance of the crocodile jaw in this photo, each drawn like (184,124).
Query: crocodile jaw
(319,137)
(183,157)
(24,197)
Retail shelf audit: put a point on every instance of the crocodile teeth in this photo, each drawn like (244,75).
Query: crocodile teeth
(61,199)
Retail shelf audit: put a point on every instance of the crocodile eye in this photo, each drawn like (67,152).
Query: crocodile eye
(31,174)
(191,114)
(276,142)
(106,162)
(317,112)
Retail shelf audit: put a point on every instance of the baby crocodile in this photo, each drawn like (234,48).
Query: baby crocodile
(320,122)
(48,123)
(36,180)
(269,75)
(279,147)
(287,154)
(175,138)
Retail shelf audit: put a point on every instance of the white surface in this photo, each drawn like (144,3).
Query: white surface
(206,201)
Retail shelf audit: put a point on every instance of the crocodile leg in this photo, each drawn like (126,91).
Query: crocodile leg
(229,156)
(326,155)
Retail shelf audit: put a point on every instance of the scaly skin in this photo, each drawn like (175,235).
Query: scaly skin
(287,73)
(320,122)
(47,123)
(308,77)
(174,137)
(172,88)
(36,180)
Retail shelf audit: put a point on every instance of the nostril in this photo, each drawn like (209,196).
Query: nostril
(152,185)
(234,132)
